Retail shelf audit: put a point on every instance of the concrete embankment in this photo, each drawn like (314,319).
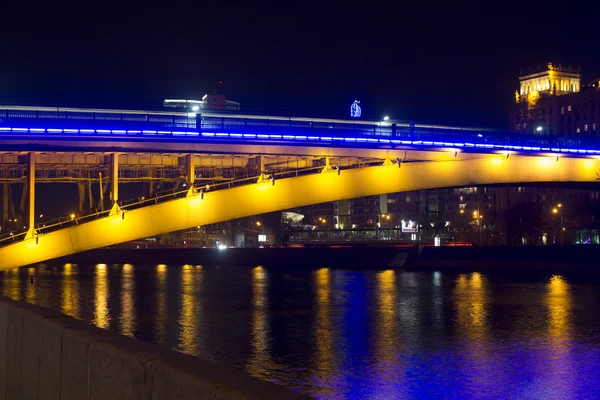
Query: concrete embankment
(47,355)
(310,257)
(540,258)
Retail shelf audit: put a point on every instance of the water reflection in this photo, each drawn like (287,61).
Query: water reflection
(260,362)
(70,292)
(559,365)
(101,316)
(12,286)
(190,318)
(325,360)
(127,318)
(387,366)
(559,308)
(471,310)
(348,333)
(472,325)
(161,303)
(31,289)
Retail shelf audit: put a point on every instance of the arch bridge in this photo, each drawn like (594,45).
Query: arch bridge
(219,178)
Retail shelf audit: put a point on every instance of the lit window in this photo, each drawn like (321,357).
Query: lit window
(585,127)
(578,130)
(569,108)
(461,198)
(562,111)
(408,199)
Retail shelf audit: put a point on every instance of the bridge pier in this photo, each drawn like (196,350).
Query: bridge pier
(4,207)
(190,168)
(30,188)
(114,182)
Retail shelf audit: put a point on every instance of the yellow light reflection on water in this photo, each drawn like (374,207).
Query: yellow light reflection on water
(101,317)
(388,321)
(12,284)
(260,362)
(559,307)
(559,303)
(31,287)
(190,317)
(387,367)
(161,302)
(470,299)
(127,317)
(70,292)
(324,330)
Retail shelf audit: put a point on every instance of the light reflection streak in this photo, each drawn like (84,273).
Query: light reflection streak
(190,318)
(101,294)
(559,303)
(472,324)
(326,362)
(127,318)
(70,292)
(387,366)
(260,361)
(31,287)
(161,303)
(14,287)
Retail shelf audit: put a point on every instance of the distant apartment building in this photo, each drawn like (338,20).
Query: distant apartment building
(553,101)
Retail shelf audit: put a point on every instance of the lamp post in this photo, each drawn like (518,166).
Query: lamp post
(479,218)
(558,210)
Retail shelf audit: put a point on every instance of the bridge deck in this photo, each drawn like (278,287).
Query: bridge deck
(23,123)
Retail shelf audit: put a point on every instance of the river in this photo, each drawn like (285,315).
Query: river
(349,334)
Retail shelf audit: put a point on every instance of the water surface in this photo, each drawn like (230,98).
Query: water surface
(346,334)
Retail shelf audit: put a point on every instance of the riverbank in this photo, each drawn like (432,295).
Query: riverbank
(314,257)
(50,355)
(531,258)
(535,258)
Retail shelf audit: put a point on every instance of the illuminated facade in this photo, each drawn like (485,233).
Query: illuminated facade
(552,101)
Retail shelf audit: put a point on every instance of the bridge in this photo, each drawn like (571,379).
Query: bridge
(220,167)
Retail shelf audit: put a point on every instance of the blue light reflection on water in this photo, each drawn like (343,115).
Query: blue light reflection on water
(349,334)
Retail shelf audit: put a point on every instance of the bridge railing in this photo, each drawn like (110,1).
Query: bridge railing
(133,124)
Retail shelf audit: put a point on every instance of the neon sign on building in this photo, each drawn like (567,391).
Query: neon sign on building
(355,109)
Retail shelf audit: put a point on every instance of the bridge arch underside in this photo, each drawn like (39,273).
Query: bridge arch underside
(264,197)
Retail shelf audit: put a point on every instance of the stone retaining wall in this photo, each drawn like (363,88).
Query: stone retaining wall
(48,355)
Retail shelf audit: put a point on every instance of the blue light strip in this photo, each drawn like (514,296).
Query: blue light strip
(366,141)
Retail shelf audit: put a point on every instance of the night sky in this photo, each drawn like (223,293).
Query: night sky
(455,66)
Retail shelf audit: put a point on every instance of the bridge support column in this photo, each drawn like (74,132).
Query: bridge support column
(190,168)
(263,177)
(31,192)
(114,182)
(101,201)
(329,168)
(4,207)
(81,197)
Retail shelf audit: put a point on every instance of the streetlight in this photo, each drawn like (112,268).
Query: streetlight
(557,210)
(539,129)
(386,118)
(479,218)
(258,223)
(72,216)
